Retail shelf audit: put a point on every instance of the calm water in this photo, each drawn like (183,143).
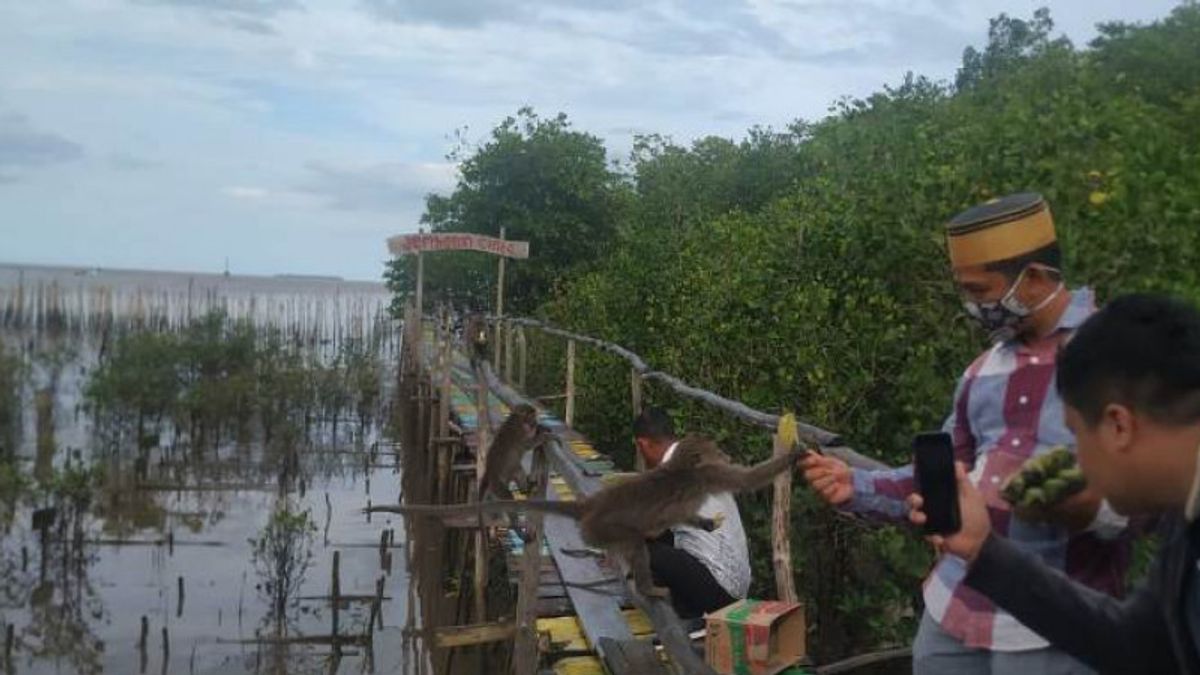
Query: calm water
(80,609)
(328,308)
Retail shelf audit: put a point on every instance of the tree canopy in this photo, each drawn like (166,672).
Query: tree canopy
(804,268)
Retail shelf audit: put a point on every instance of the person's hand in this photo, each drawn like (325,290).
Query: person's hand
(829,477)
(976,524)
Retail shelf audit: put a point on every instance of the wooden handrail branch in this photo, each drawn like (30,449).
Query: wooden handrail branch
(830,443)
(666,622)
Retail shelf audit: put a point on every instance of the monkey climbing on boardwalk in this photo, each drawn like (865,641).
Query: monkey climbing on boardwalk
(519,433)
(621,517)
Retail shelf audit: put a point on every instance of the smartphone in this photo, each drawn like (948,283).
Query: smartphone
(933,462)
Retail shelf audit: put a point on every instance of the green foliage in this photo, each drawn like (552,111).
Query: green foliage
(75,484)
(805,269)
(282,554)
(12,378)
(544,183)
(140,378)
(218,373)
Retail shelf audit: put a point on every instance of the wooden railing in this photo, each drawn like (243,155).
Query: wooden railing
(829,442)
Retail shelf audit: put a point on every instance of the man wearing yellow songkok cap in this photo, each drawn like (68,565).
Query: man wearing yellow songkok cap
(1006,264)
(1008,244)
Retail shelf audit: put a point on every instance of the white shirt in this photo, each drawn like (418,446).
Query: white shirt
(723,551)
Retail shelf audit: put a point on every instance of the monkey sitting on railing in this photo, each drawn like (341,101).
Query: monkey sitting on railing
(621,517)
(519,433)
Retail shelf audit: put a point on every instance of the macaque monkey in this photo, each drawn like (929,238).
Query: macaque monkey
(518,433)
(620,518)
(477,339)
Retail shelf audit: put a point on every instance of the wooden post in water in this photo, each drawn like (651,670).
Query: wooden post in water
(781,521)
(569,415)
(525,651)
(166,648)
(335,590)
(376,613)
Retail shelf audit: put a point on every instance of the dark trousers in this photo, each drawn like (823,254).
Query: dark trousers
(694,591)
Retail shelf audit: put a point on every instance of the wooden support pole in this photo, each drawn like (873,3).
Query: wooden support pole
(781,524)
(521,354)
(508,353)
(525,651)
(444,455)
(420,282)
(499,305)
(635,390)
(569,415)
(483,424)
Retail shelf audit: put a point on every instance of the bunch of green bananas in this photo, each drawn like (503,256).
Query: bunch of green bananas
(1045,480)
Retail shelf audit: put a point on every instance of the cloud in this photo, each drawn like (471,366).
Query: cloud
(127,162)
(387,187)
(216,123)
(259,8)
(477,13)
(819,32)
(245,192)
(447,13)
(23,147)
(248,16)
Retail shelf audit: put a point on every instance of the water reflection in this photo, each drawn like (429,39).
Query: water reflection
(151,545)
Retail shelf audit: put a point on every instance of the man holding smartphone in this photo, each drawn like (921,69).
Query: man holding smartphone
(1007,266)
(1131,381)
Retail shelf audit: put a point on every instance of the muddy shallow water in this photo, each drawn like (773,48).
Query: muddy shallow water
(192,519)
(74,596)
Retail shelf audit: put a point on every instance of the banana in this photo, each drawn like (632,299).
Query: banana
(1044,481)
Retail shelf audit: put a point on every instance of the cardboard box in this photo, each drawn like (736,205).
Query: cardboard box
(755,637)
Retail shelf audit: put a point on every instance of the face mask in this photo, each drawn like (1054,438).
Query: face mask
(1002,318)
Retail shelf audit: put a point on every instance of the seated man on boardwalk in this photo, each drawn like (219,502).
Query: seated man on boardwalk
(705,571)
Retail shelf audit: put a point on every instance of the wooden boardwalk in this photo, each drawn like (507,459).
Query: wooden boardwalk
(581,619)
(573,615)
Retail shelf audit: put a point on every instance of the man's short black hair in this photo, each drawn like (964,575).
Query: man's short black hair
(1049,255)
(655,424)
(1141,351)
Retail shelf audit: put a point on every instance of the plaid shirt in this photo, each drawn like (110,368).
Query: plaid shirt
(1006,410)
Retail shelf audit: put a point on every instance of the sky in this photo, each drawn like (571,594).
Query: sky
(295,136)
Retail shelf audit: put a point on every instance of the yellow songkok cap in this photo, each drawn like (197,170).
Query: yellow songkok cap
(1001,229)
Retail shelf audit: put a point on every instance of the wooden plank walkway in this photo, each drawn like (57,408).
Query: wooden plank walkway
(576,619)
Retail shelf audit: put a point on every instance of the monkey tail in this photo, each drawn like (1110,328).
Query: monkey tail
(569,509)
(573,509)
